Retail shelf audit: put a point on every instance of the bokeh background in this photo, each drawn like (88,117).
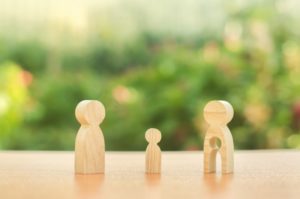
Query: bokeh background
(152,64)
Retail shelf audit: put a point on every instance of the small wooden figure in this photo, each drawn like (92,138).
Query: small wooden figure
(218,114)
(153,153)
(89,146)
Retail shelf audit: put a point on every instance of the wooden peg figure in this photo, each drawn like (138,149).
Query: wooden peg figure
(89,146)
(153,153)
(218,114)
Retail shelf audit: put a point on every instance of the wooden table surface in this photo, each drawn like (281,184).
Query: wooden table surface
(258,174)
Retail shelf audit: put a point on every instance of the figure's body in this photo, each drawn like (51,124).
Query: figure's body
(218,114)
(89,146)
(153,152)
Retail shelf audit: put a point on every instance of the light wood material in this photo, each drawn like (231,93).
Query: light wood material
(50,175)
(153,153)
(89,144)
(218,114)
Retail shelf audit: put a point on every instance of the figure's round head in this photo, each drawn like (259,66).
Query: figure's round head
(153,135)
(218,112)
(90,112)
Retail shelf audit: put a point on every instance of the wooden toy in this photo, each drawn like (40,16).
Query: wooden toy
(89,146)
(218,114)
(153,152)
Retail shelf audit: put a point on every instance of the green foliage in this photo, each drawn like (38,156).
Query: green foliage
(31,55)
(158,80)
(13,98)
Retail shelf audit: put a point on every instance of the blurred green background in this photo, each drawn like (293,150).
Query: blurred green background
(152,64)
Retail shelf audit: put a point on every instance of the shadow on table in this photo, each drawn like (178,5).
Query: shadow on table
(153,189)
(89,185)
(152,180)
(217,183)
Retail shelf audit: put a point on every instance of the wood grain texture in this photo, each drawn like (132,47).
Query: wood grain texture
(47,175)
(89,144)
(153,152)
(218,114)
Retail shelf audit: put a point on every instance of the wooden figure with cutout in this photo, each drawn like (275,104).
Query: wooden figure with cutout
(89,146)
(218,114)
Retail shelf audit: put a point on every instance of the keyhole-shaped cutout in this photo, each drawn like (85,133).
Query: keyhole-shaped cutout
(215,143)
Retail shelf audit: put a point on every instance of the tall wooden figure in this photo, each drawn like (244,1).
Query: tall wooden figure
(89,146)
(218,114)
(153,153)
